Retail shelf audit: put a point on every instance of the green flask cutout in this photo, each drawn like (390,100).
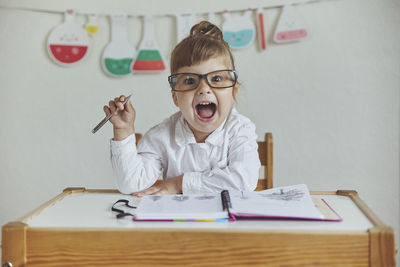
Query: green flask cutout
(119,53)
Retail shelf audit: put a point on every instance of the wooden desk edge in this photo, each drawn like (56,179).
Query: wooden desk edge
(381,237)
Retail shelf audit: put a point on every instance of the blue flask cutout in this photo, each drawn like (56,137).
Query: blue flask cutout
(238,31)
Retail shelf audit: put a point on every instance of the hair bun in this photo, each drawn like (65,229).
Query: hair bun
(206,28)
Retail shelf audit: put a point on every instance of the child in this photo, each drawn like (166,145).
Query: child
(205,147)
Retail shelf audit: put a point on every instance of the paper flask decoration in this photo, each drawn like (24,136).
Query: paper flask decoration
(261,29)
(290,26)
(184,23)
(68,43)
(238,31)
(92,27)
(119,53)
(149,58)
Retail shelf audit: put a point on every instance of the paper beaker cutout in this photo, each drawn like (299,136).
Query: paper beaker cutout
(149,58)
(238,31)
(119,53)
(68,43)
(290,26)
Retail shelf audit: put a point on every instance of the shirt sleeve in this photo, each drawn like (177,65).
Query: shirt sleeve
(134,171)
(240,172)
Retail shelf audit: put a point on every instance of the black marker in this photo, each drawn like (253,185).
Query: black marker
(226,200)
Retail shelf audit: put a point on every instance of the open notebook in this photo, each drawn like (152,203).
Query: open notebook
(289,202)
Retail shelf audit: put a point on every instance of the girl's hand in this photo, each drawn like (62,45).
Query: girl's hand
(123,118)
(168,187)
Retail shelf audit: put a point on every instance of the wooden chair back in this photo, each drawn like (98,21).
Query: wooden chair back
(265,152)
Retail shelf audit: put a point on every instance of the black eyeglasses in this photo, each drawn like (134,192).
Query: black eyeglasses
(189,81)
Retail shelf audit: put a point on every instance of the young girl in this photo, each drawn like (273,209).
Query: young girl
(205,147)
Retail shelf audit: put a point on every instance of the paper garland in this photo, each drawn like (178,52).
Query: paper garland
(69,43)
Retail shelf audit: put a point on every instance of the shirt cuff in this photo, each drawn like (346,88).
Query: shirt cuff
(125,145)
(191,183)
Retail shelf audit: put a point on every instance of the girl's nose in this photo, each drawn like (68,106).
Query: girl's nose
(203,87)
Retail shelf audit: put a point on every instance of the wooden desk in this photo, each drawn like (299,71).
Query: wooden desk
(77,228)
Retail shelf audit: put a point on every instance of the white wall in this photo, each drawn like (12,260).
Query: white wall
(331,102)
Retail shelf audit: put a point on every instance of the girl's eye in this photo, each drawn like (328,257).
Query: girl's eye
(217,78)
(189,80)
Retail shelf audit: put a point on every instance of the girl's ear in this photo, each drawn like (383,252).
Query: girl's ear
(174,98)
(234,92)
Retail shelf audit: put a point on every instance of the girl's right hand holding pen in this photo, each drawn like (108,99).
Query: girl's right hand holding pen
(123,118)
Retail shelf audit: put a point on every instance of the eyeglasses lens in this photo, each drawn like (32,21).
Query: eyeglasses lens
(183,82)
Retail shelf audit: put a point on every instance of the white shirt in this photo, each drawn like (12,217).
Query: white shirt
(228,159)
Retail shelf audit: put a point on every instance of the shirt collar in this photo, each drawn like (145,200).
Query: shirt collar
(185,136)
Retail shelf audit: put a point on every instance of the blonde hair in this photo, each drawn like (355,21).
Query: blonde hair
(204,42)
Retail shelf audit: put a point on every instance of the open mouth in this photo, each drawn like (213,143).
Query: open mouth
(206,110)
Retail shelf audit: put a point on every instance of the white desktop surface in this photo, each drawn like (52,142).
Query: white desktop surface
(93,210)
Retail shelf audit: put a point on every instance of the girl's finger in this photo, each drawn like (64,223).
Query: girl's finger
(107,110)
(129,107)
(160,192)
(112,106)
(148,191)
(118,101)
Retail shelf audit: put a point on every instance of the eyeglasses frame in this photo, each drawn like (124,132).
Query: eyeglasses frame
(201,76)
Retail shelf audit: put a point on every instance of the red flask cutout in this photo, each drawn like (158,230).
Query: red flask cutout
(68,43)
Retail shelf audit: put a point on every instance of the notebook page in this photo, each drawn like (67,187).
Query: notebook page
(181,207)
(289,201)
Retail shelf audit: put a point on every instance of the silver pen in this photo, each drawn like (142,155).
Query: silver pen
(108,117)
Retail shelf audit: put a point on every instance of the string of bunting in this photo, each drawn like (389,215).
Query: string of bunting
(69,42)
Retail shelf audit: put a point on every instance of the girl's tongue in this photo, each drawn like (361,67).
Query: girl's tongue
(205,110)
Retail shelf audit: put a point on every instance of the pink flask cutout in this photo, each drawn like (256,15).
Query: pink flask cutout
(290,26)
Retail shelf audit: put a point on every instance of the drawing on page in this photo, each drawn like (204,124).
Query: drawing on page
(155,198)
(243,196)
(204,197)
(290,195)
(180,198)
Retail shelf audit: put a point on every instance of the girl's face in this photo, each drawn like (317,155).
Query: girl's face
(205,108)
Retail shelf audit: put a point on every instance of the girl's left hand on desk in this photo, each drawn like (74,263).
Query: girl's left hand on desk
(170,186)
